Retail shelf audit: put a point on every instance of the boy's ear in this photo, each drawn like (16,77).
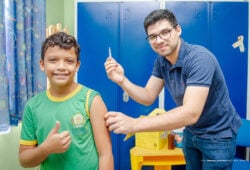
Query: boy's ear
(78,66)
(41,63)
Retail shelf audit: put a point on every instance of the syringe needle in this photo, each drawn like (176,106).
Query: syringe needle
(110,54)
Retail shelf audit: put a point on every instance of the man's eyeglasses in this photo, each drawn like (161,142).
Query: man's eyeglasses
(165,34)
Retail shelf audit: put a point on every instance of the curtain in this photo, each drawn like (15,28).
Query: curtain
(22,30)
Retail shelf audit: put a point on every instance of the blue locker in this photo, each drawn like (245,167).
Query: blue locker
(192,16)
(216,25)
(228,21)
(120,26)
(97,28)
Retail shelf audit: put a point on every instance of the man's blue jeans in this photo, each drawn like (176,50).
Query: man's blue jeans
(208,154)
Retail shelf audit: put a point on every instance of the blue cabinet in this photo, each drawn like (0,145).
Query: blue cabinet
(230,20)
(120,26)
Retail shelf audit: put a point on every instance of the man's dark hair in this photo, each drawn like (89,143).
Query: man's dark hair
(62,40)
(160,14)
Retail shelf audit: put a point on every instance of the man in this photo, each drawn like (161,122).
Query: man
(195,80)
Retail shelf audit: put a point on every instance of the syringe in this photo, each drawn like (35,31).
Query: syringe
(110,54)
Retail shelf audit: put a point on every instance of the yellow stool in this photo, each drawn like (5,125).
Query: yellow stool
(161,159)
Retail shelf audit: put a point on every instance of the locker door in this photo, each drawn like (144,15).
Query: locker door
(97,29)
(137,58)
(193,18)
(228,21)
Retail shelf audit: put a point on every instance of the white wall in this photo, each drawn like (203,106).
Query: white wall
(9,146)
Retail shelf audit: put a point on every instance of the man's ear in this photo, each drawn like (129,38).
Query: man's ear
(41,63)
(179,30)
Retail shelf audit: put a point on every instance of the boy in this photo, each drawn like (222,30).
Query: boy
(63,127)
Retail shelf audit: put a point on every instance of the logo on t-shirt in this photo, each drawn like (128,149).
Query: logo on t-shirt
(78,120)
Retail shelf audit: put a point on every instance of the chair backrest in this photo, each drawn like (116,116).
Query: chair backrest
(243,136)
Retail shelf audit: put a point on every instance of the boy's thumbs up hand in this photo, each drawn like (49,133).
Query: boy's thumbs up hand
(56,128)
(56,142)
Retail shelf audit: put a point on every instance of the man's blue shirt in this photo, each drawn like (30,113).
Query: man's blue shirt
(197,66)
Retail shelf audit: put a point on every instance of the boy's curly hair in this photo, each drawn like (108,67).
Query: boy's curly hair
(62,40)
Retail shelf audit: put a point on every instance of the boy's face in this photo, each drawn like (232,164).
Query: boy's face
(60,65)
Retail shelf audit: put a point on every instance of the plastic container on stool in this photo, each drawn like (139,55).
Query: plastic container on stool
(171,144)
(178,140)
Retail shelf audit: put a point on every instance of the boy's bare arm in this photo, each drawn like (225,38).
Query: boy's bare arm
(101,134)
(31,156)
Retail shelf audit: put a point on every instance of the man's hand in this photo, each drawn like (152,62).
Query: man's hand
(120,123)
(114,70)
(56,142)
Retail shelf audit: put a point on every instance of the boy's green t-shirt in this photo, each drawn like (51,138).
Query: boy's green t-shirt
(40,116)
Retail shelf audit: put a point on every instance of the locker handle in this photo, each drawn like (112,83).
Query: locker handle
(125,97)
